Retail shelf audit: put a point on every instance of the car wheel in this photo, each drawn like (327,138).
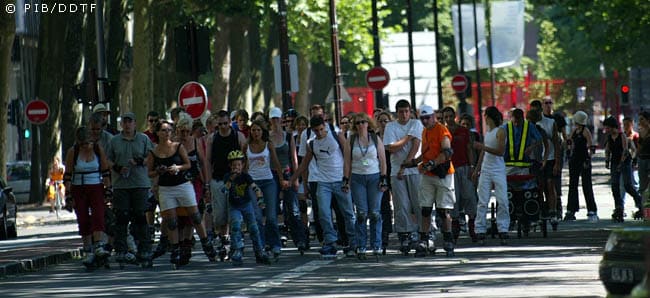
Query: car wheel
(12,230)
(619,289)
(3,226)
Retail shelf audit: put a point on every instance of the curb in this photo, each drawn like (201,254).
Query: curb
(47,223)
(38,263)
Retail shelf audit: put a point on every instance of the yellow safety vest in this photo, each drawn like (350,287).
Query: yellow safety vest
(517,161)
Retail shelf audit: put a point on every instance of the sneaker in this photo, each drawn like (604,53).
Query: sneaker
(592,216)
(99,250)
(349,252)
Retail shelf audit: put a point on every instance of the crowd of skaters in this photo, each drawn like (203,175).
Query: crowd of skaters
(413,172)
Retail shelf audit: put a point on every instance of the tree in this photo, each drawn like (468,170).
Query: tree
(7,30)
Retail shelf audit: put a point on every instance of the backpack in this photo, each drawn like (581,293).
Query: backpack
(336,138)
(373,137)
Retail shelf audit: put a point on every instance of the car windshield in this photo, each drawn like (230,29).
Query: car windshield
(18,172)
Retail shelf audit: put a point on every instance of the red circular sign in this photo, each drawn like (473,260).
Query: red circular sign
(37,111)
(194,98)
(459,83)
(377,78)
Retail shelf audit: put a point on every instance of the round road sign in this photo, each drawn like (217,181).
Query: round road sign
(459,83)
(194,98)
(37,111)
(377,78)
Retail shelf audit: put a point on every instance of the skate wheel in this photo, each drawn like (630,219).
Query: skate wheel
(174,267)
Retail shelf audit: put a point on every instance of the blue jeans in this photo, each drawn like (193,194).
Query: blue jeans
(624,172)
(292,216)
(271,235)
(367,199)
(324,193)
(244,213)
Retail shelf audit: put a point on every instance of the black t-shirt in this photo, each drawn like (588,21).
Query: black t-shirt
(168,179)
(239,191)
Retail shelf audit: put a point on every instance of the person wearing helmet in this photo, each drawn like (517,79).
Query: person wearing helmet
(240,190)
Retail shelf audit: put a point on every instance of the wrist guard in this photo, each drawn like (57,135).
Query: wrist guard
(139,161)
(383,181)
(106,173)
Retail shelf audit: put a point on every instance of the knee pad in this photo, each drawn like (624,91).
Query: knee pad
(442,213)
(426,211)
(302,204)
(374,216)
(361,217)
(122,217)
(172,224)
(196,218)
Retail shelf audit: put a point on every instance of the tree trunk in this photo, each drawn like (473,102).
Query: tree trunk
(115,51)
(304,82)
(239,96)
(70,116)
(49,81)
(7,30)
(143,60)
(221,64)
(257,66)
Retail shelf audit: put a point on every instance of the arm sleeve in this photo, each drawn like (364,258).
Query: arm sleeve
(415,129)
(389,135)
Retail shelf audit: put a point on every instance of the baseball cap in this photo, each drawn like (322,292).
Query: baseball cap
(426,110)
(128,115)
(100,107)
(275,113)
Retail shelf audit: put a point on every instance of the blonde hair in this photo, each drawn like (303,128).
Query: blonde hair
(372,125)
(184,121)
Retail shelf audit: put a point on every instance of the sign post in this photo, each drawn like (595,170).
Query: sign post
(193,98)
(377,78)
(37,112)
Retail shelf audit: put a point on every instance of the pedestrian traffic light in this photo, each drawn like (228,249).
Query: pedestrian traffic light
(27,133)
(625,94)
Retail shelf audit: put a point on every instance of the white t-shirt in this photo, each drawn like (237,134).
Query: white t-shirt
(547,124)
(394,132)
(364,158)
(328,159)
(314,174)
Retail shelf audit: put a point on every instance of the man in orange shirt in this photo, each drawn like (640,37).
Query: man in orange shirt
(437,184)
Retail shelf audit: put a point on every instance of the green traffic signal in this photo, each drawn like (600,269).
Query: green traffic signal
(27,133)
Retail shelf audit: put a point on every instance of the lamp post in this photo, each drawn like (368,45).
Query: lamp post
(603,86)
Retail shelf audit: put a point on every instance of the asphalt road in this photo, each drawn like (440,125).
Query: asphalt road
(563,265)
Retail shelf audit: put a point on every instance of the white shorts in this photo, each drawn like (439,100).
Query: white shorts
(438,192)
(181,195)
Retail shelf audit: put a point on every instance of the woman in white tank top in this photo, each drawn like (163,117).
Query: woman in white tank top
(261,156)
(86,177)
(492,169)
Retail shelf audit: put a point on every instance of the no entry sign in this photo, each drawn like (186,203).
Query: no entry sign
(459,83)
(377,78)
(194,98)
(37,111)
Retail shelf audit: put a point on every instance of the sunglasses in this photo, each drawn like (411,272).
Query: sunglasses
(425,117)
(222,123)
(548,102)
(152,120)
(166,130)
(345,122)
(361,122)
(384,121)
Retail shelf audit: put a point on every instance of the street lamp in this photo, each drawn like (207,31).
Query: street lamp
(603,86)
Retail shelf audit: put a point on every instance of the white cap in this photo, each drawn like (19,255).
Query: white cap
(275,113)
(426,110)
(100,107)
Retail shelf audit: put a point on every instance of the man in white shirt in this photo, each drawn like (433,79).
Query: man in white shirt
(402,138)
(329,157)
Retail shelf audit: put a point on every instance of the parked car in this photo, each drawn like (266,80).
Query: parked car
(8,211)
(623,266)
(19,178)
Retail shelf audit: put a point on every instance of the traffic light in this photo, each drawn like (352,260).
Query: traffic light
(625,94)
